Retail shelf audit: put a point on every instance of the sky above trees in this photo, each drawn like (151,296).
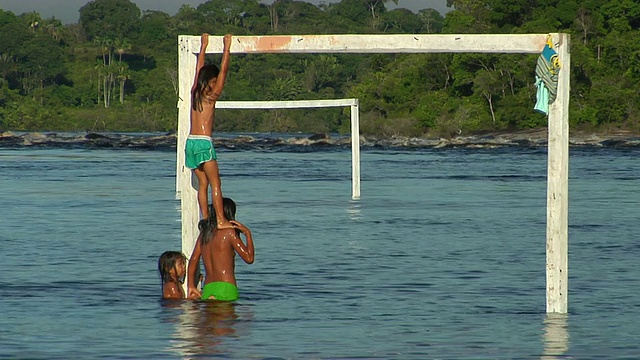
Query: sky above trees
(67,10)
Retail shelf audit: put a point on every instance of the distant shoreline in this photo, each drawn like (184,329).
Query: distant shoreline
(167,141)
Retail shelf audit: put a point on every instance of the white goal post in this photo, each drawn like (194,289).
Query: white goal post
(558,124)
(300,104)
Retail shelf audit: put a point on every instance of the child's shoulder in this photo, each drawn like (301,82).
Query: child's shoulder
(171,290)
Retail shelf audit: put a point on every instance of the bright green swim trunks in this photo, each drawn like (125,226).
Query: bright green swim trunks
(220,290)
(199,149)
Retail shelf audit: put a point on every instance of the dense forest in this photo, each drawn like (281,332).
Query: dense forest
(116,69)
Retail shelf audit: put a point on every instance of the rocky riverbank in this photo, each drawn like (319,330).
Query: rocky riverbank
(532,138)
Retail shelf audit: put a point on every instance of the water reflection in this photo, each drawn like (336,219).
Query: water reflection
(556,336)
(202,327)
(355,216)
(354,210)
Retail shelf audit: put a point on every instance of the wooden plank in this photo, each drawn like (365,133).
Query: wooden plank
(355,151)
(558,188)
(185,190)
(386,43)
(291,104)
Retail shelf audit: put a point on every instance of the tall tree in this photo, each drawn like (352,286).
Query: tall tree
(486,84)
(468,16)
(7,66)
(229,13)
(13,33)
(112,19)
(432,21)
(273,14)
(401,21)
(110,23)
(377,6)
(42,62)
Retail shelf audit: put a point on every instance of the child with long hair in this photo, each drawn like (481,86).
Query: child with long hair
(172,268)
(218,249)
(200,156)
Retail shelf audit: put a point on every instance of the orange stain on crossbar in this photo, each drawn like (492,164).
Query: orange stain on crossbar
(273,43)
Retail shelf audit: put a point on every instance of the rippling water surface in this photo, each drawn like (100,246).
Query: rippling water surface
(442,258)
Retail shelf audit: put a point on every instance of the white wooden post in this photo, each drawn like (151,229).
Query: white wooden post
(557,186)
(185,190)
(362,43)
(355,151)
(557,194)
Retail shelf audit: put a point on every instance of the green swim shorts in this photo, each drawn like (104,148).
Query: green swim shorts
(199,149)
(220,290)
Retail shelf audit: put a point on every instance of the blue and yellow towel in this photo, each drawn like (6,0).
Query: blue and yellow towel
(547,70)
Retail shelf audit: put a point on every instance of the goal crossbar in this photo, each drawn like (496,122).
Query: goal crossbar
(371,43)
(288,104)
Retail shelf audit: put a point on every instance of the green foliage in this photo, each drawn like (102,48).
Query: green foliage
(433,106)
(109,19)
(153,35)
(117,69)
(401,21)
(432,21)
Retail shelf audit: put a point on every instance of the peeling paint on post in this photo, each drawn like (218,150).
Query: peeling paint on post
(273,43)
(557,187)
(464,43)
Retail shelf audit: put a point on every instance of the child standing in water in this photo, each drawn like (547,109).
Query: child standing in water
(172,268)
(218,249)
(200,156)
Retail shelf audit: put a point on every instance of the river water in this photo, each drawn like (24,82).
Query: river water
(443,257)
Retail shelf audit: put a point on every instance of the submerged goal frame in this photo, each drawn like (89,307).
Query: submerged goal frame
(558,124)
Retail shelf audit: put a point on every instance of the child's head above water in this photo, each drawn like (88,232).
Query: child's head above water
(206,226)
(228,207)
(172,266)
(207,77)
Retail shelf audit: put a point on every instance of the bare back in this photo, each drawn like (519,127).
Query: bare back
(202,121)
(218,256)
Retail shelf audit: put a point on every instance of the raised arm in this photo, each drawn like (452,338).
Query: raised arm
(194,262)
(204,42)
(247,251)
(224,67)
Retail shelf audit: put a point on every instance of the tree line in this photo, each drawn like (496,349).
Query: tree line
(116,69)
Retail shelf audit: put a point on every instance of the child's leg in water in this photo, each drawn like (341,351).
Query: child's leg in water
(213,176)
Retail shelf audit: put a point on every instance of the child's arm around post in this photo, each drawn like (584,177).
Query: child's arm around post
(194,261)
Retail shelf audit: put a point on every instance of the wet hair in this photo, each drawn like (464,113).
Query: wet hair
(206,226)
(168,261)
(205,75)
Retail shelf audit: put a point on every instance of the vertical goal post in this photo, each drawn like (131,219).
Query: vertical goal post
(558,124)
